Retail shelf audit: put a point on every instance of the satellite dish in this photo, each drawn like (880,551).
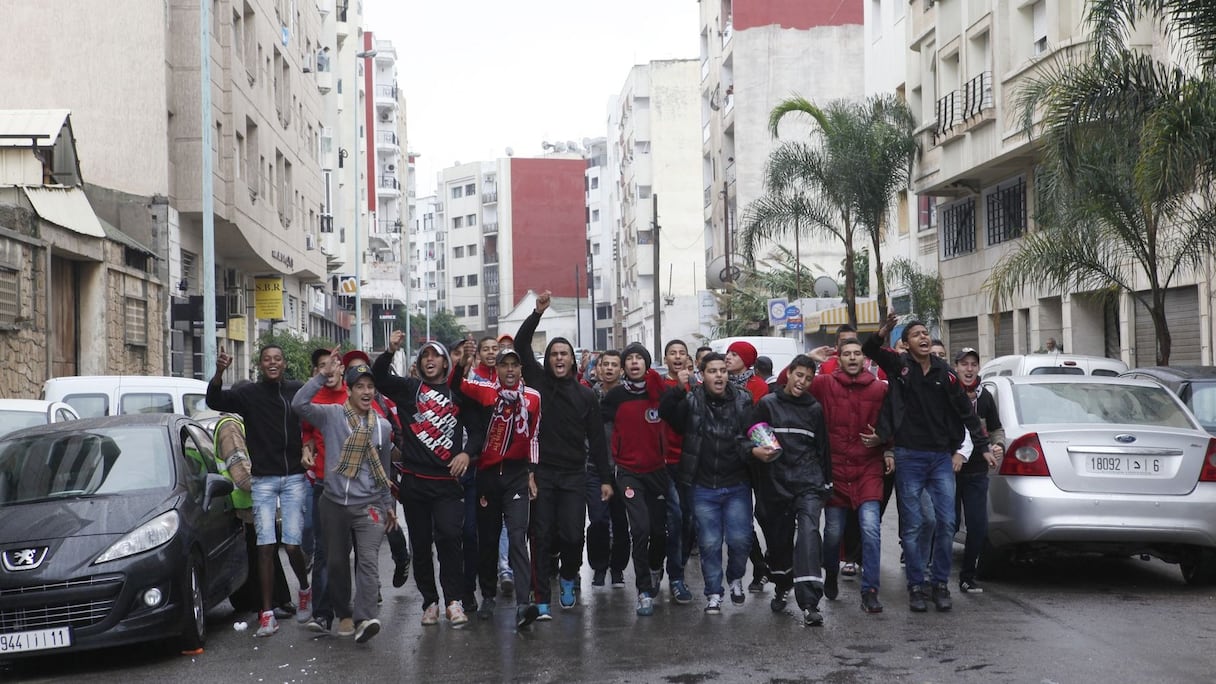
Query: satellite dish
(586,143)
(826,287)
(572,146)
(559,146)
(510,152)
(717,276)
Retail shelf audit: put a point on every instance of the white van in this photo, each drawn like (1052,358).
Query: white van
(781,350)
(111,395)
(1052,364)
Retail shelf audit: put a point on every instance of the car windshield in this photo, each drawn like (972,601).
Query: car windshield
(11,421)
(72,463)
(1202,403)
(1093,403)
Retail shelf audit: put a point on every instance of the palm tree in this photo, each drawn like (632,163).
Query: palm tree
(873,146)
(924,288)
(803,193)
(781,275)
(1124,189)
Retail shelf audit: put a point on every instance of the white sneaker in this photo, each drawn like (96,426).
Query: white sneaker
(736,592)
(714,605)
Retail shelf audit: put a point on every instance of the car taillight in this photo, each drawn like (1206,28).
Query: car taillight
(1208,473)
(1025,457)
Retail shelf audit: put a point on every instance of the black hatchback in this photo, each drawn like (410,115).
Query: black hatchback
(113,530)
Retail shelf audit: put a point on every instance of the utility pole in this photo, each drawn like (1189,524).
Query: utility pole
(357,338)
(730,279)
(658,325)
(591,287)
(204,74)
(578,312)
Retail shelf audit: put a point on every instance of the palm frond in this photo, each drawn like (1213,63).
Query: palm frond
(797,103)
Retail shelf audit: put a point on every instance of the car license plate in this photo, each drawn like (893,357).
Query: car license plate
(35,640)
(1125,465)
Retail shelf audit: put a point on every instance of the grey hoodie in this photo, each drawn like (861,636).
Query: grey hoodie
(330,419)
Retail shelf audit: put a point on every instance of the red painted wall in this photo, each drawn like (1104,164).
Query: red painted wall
(548,226)
(796,14)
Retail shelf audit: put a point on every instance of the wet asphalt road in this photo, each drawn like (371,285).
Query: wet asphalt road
(1075,620)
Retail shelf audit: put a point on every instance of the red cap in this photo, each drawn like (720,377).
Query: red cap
(355,354)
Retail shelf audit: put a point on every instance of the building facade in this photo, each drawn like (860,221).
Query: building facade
(602,247)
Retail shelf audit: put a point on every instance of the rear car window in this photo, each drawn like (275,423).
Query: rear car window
(1056,370)
(1105,373)
(1202,402)
(1092,403)
(89,405)
(194,404)
(145,402)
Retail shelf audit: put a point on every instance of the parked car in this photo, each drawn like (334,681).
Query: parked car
(113,530)
(16,414)
(114,395)
(1101,465)
(1052,364)
(1195,385)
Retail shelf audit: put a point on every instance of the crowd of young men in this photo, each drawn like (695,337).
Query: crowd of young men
(497,459)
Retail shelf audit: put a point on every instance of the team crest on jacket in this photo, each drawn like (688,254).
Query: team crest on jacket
(484,502)
(652,415)
(629,492)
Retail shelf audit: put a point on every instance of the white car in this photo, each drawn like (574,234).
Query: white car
(16,414)
(1100,465)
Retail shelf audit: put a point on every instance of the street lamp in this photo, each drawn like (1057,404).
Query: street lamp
(357,338)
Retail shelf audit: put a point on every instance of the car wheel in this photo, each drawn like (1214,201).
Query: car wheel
(1199,567)
(993,562)
(193,617)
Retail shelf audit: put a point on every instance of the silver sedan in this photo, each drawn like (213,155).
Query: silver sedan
(1101,465)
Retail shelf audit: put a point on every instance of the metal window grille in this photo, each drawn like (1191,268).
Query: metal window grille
(136,321)
(958,228)
(1006,212)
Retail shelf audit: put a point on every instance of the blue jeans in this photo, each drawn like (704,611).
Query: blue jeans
(870,520)
(283,495)
(723,515)
(678,524)
(917,472)
(322,607)
(972,502)
(504,564)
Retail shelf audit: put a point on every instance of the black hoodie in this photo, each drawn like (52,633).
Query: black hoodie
(431,417)
(272,429)
(570,420)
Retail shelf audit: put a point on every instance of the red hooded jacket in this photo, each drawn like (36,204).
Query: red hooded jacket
(636,441)
(850,403)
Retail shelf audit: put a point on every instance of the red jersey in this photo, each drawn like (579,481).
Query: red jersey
(513,425)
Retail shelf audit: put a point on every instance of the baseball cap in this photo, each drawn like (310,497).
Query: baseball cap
(965,352)
(504,353)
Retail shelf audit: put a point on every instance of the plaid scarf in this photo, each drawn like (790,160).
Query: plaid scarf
(740,380)
(359,446)
(510,418)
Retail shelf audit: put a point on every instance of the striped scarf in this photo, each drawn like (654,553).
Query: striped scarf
(740,380)
(358,446)
(510,419)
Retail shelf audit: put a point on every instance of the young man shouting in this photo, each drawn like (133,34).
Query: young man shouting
(679,511)
(631,412)
(607,523)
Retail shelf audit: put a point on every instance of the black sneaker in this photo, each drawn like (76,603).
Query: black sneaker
(830,589)
(968,586)
(526,615)
(597,580)
(917,601)
(401,573)
(470,604)
(811,617)
(779,600)
(869,601)
(941,597)
(618,578)
(486,611)
(757,585)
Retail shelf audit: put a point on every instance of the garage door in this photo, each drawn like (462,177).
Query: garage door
(1182,314)
(1004,334)
(963,332)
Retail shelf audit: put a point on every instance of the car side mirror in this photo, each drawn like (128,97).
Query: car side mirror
(216,488)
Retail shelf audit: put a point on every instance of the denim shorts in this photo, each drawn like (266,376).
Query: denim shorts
(272,494)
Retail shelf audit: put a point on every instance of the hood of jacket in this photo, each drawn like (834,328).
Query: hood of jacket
(573,377)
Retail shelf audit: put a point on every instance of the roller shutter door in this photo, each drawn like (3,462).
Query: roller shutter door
(963,332)
(1004,334)
(1182,314)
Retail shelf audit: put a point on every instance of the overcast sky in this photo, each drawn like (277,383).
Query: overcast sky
(484,75)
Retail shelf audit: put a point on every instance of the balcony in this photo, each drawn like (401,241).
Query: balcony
(388,226)
(489,228)
(728,31)
(388,185)
(325,80)
(490,258)
(489,197)
(705,133)
(387,141)
(977,98)
(949,116)
(708,195)
(386,95)
(704,69)
(342,26)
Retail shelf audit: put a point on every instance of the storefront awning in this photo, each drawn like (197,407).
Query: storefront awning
(867,316)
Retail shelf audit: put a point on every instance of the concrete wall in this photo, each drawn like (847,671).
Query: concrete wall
(675,159)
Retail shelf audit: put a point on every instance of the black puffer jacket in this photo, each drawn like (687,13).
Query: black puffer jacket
(272,429)
(571,425)
(805,463)
(716,448)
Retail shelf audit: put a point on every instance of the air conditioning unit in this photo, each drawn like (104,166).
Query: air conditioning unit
(391,167)
(310,243)
(385,116)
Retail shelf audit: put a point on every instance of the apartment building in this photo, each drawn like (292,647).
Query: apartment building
(513,225)
(753,56)
(135,110)
(602,248)
(966,62)
(428,259)
(655,156)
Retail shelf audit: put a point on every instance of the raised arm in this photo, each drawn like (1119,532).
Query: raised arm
(533,370)
(887,359)
(302,404)
(218,398)
(389,384)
